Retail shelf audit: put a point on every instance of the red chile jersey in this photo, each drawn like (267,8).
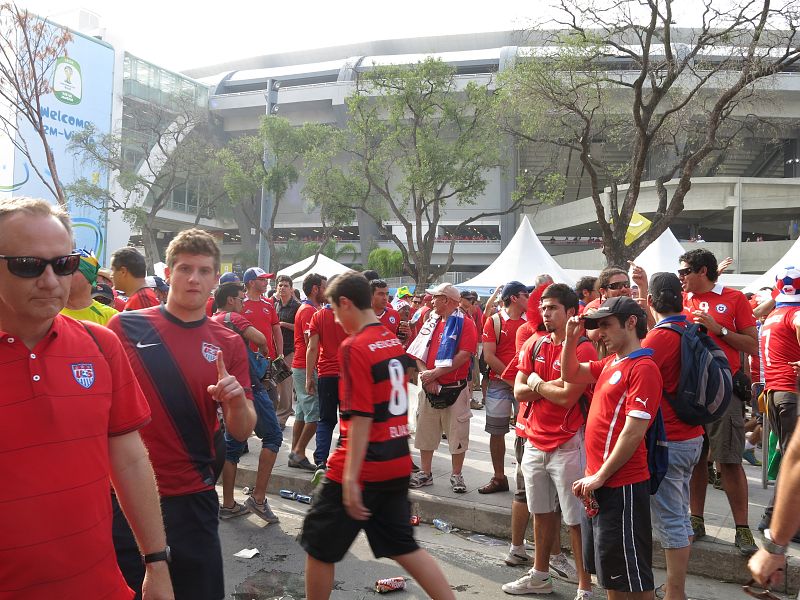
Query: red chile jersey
(730,309)
(331,335)
(374,383)
(467,342)
(262,315)
(779,345)
(629,386)
(302,319)
(60,404)
(142,298)
(524,333)
(174,362)
(666,346)
(507,346)
(549,425)
(390,319)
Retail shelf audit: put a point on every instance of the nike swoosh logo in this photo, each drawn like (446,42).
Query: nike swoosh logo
(616,576)
(141,345)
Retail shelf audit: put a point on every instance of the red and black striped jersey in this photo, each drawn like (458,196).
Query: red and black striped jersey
(373,383)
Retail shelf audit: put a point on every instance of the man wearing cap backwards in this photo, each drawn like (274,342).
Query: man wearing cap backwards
(71,416)
(80,304)
(443,349)
(617,540)
(128,269)
(780,346)
(499,347)
(727,316)
(670,518)
(261,312)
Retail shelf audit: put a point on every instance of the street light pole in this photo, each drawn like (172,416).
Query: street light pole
(267,198)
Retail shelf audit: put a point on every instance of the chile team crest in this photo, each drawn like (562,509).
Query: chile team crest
(210,351)
(83,374)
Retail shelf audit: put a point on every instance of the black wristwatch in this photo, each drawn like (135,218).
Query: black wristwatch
(164,555)
(771,546)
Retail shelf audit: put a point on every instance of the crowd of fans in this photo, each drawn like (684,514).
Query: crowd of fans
(157,384)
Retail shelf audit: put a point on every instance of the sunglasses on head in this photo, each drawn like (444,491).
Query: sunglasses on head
(619,285)
(684,271)
(33,266)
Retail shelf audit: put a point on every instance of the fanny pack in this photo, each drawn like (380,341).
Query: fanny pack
(447,396)
(742,386)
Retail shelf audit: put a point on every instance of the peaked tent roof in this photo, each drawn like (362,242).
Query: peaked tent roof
(791,258)
(661,255)
(523,259)
(324,266)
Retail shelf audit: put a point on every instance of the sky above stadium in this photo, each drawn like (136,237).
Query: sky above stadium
(179,34)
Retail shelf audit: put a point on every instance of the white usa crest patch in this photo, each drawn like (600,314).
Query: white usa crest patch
(83,374)
(210,351)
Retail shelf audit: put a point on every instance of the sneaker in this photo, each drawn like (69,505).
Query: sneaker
(528,585)
(318,476)
(583,595)
(414,467)
(475,405)
(698,526)
(296,462)
(420,479)
(718,481)
(457,482)
(750,456)
(262,510)
(562,568)
(764,523)
(237,510)
(712,474)
(745,542)
(514,559)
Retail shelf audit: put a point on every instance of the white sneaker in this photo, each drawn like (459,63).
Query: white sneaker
(583,595)
(528,585)
(562,568)
(514,559)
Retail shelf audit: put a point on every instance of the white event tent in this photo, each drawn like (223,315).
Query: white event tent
(791,258)
(324,266)
(522,260)
(661,255)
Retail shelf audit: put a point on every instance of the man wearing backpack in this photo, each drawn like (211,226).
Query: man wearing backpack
(230,300)
(780,346)
(728,317)
(670,503)
(617,543)
(499,348)
(552,421)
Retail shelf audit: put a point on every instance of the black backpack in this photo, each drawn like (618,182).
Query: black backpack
(706,383)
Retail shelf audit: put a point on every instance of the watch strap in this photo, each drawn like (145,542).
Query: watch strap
(771,546)
(163,556)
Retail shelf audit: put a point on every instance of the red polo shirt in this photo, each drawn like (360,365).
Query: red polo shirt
(262,315)
(302,319)
(507,346)
(61,402)
(390,319)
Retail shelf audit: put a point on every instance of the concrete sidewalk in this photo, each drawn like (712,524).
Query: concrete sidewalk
(714,556)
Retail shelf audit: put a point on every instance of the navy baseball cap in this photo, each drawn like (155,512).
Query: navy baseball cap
(229,278)
(621,305)
(512,288)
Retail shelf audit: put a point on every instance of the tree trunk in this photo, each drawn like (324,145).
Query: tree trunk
(151,253)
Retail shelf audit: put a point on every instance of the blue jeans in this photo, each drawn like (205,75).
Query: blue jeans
(328,393)
(267,427)
(670,504)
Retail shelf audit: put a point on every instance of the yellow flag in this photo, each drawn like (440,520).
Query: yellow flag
(637,227)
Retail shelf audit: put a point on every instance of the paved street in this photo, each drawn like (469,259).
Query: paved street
(474,569)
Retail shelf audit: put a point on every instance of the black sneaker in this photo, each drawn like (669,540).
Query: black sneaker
(745,542)
(763,523)
(296,462)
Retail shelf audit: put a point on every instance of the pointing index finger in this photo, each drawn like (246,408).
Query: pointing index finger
(221,370)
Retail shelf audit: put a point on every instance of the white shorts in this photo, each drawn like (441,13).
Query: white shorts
(549,477)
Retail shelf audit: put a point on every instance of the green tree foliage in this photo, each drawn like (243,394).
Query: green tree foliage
(389,263)
(418,141)
(623,74)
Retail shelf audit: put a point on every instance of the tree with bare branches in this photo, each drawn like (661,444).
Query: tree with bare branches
(160,150)
(622,73)
(29,50)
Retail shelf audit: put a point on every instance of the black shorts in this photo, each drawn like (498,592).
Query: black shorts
(328,532)
(618,541)
(191,523)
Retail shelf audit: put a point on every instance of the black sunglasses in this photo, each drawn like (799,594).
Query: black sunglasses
(619,285)
(33,266)
(684,271)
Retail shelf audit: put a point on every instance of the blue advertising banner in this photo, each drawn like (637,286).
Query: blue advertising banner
(82,93)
